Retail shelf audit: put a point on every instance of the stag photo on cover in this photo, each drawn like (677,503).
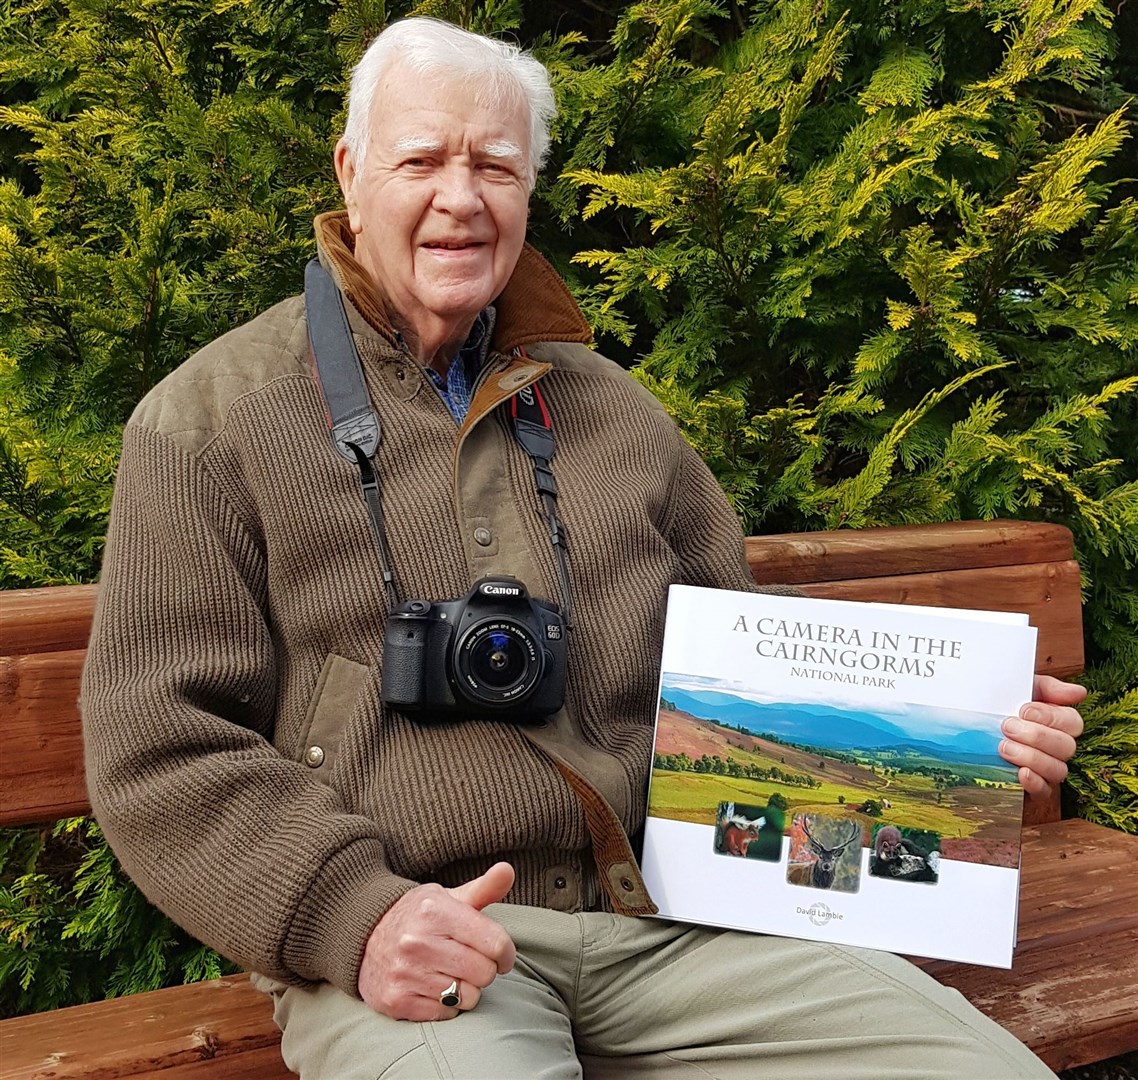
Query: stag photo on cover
(830,770)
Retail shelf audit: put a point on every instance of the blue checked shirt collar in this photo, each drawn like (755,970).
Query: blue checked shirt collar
(457,387)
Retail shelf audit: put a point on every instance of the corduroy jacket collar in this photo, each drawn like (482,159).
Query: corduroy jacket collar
(534,306)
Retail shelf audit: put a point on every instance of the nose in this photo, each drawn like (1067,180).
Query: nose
(458,192)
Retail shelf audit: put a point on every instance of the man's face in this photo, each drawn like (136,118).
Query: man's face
(439,205)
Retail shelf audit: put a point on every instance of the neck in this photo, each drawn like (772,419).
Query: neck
(434,346)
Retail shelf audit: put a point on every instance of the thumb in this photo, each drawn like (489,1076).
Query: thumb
(491,887)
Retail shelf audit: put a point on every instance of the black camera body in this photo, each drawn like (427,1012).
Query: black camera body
(496,653)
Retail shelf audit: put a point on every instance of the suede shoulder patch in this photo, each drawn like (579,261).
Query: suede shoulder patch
(569,356)
(581,360)
(190,405)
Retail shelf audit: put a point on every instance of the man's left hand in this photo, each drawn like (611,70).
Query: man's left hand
(1042,739)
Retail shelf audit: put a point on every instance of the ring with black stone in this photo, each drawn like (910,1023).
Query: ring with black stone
(450,997)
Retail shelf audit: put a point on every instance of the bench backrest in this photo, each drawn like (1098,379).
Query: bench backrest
(995,566)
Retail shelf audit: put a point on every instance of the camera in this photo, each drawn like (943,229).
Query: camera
(496,653)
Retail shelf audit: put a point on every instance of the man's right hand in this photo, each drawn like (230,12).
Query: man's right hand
(431,936)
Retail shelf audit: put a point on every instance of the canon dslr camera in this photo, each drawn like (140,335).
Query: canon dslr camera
(496,653)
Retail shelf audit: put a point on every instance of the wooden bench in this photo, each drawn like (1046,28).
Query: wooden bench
(1072,995)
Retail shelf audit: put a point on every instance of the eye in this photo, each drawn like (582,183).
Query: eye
(496,168)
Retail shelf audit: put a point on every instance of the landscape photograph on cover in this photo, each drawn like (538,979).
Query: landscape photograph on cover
(931,773)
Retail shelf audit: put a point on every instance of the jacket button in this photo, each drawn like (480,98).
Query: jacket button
(314,757)
(560,883)
(482,536)
(626,884)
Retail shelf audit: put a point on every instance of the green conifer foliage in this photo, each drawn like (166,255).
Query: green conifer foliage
(161,165)
(889,277)
(160,192)
(880,260)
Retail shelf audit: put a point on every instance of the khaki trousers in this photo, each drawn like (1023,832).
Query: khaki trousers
(606,997)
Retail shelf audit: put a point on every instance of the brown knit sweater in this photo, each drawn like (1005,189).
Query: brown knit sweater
(238,755)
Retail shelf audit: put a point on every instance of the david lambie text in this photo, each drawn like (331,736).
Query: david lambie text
(848,647)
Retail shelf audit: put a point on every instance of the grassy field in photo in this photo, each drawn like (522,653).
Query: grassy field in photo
(979,820)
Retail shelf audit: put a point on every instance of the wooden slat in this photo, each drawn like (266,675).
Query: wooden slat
(793,558)
(1047,592)
(41,767)
(222,1028)
(1041,811)
(46,620)
(263,1064)
(1078,932)
(1072,993)
(41,771)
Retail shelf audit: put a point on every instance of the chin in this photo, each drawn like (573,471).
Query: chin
(461,303)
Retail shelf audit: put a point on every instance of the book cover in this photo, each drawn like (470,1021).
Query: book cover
(829,770)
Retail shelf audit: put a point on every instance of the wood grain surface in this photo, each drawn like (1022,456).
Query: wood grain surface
(1072,992)
(222,1028)
(46,620)
(41,768)
(1071,995)
(792,558)
(1047,592)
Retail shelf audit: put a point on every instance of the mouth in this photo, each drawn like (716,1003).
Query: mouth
(453,245)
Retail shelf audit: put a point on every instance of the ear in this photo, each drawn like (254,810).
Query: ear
(347,174)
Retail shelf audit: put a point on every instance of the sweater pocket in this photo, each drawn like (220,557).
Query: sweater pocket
(337,691)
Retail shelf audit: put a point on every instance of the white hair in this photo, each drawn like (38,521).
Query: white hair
(503,74)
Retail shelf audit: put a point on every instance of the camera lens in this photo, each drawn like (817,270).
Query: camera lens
(499,662)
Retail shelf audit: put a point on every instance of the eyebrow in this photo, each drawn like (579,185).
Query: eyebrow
(503,149)
(425,144)
(422,143)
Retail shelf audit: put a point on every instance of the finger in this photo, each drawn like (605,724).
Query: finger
(427,1008)
(423,1002)
(473,930)
(464,963)
(1060,717)
(1035,785)
(469,996)
(1056,692)
(417,956)
(432,1008)
(1051,770)
(479,931)
(441,925)
(486,937)
(491,887)
(1053,741)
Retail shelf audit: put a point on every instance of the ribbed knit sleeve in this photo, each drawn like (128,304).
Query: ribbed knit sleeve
(238,844)
(705,532)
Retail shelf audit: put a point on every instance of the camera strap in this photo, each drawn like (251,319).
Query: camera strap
(533,430)
(355,429)
(356,434)
(351,419)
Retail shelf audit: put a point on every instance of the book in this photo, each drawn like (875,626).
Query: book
(829,770)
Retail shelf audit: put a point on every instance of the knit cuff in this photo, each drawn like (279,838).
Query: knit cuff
(329,932)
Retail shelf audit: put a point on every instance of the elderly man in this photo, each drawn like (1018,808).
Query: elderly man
(448,892)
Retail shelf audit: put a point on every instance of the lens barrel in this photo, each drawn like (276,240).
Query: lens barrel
(498,662)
